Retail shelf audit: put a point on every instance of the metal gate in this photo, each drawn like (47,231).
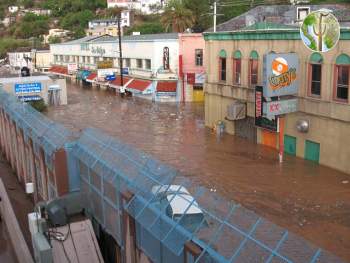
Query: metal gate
(246,129)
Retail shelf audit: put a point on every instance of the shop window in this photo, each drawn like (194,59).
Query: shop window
(148,63)
(302,13)
(342,78)
(199,57)
(237,67)
(222,65)
(127,62)
(139,63)
(253,68)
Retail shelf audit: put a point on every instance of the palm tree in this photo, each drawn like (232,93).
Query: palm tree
(177,16)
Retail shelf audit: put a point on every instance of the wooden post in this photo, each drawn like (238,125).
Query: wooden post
(193,249)
(33,170)
(281,138)
(129,230)
(61,172)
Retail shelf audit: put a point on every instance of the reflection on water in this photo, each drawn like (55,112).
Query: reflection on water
(298,194)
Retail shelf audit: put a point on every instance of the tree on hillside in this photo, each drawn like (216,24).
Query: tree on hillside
(32,25)
(77,22)
(200,11)
(177,17)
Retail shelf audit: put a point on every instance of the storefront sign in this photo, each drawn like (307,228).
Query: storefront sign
(200,78)
(125,71)
(110,77)
(280,74)
(98,50)
(107,64)
(102,73)
(29,98)
(28,88)
(191,78)
(72,68)
(261,121)
(274,108)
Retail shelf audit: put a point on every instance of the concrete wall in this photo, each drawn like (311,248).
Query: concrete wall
(45,81)
(329,119)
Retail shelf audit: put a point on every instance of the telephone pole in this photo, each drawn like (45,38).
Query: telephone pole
(120,56)
(215,14)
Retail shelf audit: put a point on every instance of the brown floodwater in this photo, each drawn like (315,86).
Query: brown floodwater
(307,199)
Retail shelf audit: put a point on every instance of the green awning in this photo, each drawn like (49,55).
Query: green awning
(316,58)
(237,54)
(222,54)
(254,55)
(343,59)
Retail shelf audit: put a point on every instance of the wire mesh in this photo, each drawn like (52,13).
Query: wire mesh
(170,210)
(46,133)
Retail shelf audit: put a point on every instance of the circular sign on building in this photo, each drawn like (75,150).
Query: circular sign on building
(320,31)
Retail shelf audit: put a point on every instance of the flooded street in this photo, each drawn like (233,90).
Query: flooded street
(308,199)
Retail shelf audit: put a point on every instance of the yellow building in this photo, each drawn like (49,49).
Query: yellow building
(235,66)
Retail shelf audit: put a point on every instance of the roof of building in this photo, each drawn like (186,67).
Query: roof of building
(24,79)
(281,14)
(108,38)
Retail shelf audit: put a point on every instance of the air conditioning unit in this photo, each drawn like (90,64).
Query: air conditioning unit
(236,111)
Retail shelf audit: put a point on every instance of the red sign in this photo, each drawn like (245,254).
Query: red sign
(191,78)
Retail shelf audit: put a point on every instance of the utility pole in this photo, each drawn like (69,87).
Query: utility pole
(120,56)
(215,14)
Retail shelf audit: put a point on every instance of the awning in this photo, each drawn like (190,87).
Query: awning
(29,98)
(91,77)
(117,82)
(83,74)
(138,85)
(61,70)
(166,86)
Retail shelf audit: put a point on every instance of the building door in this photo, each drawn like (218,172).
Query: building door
(246,129)
(312,151)
(198,94)
(269,138)
(290,145)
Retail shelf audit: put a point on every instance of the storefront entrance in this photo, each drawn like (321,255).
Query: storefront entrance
(269,138)
(312,151)
(246,129)
(198,94)
(290,145)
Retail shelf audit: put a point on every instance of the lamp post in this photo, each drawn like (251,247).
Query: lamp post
(122,91)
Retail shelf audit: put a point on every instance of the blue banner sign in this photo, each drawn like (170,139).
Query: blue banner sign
(125,71)
(110,77)
(28,88)
(29,98)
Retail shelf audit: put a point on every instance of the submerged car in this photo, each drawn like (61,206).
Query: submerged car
(179,205)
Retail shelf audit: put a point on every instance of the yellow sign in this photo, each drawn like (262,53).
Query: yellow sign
(105,64)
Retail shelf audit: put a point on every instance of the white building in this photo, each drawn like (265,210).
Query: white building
(56,32)
(145,6)
(152,60)
(13,9)
(20,58)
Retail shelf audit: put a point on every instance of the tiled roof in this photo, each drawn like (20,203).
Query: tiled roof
(281,14)
(117,81)
(138,84)
(59,70)
(108,38)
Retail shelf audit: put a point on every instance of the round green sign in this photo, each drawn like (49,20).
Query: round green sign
(320,31)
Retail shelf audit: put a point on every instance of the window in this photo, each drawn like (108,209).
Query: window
(237,67)
(315,68)
(342,82)
(302,12)
(253,68)
(139,63)
(148,64)
(342,78)
(222,65)
(127,62)
(199,57)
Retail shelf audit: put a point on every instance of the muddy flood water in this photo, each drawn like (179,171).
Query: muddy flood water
(307,199)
